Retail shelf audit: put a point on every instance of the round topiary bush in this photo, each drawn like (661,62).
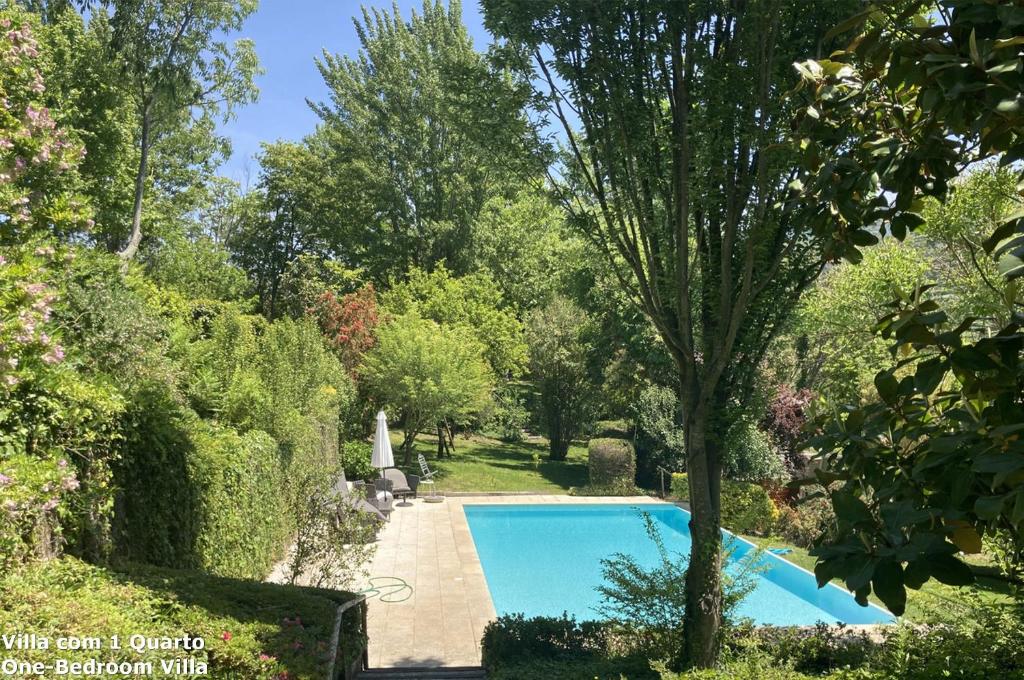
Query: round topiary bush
(611,461)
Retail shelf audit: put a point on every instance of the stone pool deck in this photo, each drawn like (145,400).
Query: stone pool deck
(429,546)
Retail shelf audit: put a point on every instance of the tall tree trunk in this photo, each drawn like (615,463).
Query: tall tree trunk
(704,575)
(440,441)
(132,247)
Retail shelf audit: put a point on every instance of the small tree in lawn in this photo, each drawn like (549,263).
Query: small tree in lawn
(558,361)
(429,373)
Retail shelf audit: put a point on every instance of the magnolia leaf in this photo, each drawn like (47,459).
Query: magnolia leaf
(950,570)
(967,539)
(887,582)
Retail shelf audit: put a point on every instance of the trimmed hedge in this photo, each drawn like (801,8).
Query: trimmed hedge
(612,462)
(746,508)
(250,629)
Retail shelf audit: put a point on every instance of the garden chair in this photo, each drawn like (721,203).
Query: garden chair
(427,478)
(402,485)
(344,493)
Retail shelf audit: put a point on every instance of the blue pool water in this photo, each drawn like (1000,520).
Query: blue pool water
(542,560)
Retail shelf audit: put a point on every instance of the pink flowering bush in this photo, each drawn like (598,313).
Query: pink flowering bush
(38,160)
(57,426)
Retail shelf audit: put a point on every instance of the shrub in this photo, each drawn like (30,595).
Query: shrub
(810,518)
(509,416)
(276,631)
(622,487)
(243,523)
(611,462)
(750,455)
(58,424)
(746,508)
(355,460)
(203,496)
(650,603)
(513,639)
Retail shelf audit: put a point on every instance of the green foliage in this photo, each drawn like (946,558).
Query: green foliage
(555,335)
(198,269)
(250,629)
(650,602)
(931,464)
(180,69)
(355,460)
(51,415)
(749,454)
(428,373)
(513,639)
(809,520)
(836,316)
(873,167)
(284,236)
(746,508)
(509,417)
(611,462)
(956,230)
(473,302)
(420,131)
(524,245)
(38,159)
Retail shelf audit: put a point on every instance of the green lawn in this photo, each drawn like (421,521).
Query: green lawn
(483,464)
(933,595)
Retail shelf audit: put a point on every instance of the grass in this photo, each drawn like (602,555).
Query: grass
(920,603)
(484,464)
(250,629)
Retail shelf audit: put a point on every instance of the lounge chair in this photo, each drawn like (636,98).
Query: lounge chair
(402,485)
(344,493)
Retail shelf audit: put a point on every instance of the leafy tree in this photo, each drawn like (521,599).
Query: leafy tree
(348,323)
(473,302)
(177,68)
(678,174)
(558,364)
(936,460)
(838,315)
(428,373)
(287,223)
(523,244)
(956,229)
(420,130)
(932,465)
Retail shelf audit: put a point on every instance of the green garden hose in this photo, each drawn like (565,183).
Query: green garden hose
(395,590)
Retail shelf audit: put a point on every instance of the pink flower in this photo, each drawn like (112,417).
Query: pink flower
(225,636)
(265,657)
(54,356)
(62,463)
(49,505)
(69,484)
(4,480)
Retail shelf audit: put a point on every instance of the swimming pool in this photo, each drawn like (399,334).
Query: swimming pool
(542,560)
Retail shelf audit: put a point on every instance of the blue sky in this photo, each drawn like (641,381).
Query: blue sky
(289,34)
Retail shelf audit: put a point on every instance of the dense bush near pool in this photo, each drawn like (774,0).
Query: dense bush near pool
(746,508)
(611,462)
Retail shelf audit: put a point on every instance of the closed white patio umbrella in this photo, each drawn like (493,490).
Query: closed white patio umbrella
(382,457)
